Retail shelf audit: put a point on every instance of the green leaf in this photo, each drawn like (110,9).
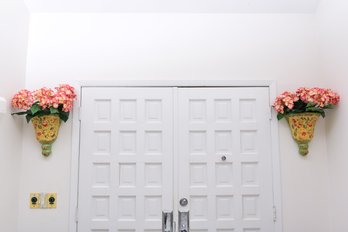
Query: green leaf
(43,112)
(323,114)
(60,108)
(330,106)
(280,116)
(20,113)
(29,117)
(54,110)
(35,108)
(299,106)
(314,109)
(311,104)
(64,116)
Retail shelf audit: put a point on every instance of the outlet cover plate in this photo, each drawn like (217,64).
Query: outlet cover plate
(35,200)
(51,200)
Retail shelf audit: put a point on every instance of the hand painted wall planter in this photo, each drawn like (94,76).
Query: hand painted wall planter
(302,129)
(46,108)
(46,130)
(302,110)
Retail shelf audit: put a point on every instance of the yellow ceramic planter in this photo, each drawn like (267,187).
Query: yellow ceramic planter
(302,129)
(46,130)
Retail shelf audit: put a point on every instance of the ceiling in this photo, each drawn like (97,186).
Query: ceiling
(167,6)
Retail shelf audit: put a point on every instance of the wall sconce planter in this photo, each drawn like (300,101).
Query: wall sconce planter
(302,110)
(46,130)
(302,129)
(46,108)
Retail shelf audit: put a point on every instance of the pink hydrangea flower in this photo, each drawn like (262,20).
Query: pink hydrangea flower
(65,96)
(67,90)
(44,101)
(286,99)
(44,96)
(23,100)
(334,98)
(320,98)
(303,94)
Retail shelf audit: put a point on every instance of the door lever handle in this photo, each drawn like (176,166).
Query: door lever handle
(167,222)
(184,221)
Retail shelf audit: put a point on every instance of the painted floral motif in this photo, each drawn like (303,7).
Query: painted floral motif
(302,129)
(46,130)
(302,126)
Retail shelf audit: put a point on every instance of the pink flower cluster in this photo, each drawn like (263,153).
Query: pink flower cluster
(44,97)
(286,99)
(64,95)
(318,96)
(23,100)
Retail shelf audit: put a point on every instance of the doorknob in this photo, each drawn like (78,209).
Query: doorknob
(183,201)
(167,222)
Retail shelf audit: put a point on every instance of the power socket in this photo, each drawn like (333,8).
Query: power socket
(35,200)
(50,201)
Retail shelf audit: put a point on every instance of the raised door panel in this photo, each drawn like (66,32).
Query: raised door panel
(126,157)
(224,158)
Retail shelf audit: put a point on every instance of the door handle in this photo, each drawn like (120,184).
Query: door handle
(167,222)
(184,221)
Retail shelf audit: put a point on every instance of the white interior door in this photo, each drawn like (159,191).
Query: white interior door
(225,159)
(216,141)
(126,154)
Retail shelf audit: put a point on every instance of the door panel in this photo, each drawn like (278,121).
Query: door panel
(126,157)
(224,159)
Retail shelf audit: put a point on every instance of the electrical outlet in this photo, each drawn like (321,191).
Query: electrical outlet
(35,200)
(51,200)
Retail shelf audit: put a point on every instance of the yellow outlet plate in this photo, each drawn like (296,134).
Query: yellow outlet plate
(35,200)
(51,200)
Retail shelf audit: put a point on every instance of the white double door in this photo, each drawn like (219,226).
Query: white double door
(143,151)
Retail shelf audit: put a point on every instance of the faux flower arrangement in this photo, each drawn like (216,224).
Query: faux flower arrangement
(45,101)
(314,100)
(302,110)
(46,108)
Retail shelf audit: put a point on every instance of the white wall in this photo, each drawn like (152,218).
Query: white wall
(333,34)
(14,20)
(68,47)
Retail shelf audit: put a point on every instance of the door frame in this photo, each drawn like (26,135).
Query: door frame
(76,126)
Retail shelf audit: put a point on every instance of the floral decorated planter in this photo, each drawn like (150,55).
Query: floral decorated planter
(46,108)
(302,127)
(46,130)
(302,110)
